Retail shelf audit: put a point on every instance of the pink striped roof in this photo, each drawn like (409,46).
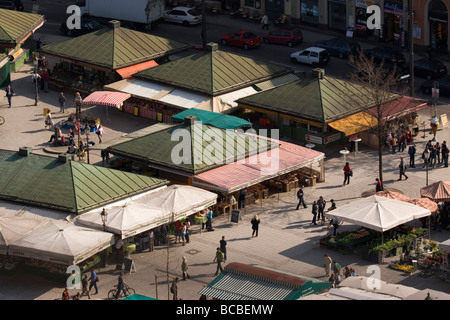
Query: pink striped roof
(106,98)
(438,191)
(255,169)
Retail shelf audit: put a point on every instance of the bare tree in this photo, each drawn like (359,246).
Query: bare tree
(383,95)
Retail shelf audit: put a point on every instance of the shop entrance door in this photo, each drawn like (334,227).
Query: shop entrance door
(274,8)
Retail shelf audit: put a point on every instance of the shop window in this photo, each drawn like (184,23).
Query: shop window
(309,11)
(250,3)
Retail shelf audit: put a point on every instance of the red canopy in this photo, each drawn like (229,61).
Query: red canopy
(399,107)
(255,169)
(106,98)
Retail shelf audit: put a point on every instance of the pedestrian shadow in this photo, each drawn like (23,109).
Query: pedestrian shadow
(239,239)
(36,131)
(330,187)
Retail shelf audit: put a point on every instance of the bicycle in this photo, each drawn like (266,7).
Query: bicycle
(114,295)
(2,120)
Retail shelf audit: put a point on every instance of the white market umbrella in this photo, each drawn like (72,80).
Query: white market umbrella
(127,220)
(14,228)
(61,242)
(398,290)
(180,200)
(361,282)
(378,213)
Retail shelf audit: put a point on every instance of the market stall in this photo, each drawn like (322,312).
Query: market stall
(438,191)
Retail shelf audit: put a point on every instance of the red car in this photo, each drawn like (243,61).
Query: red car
(289,36)
(245,39)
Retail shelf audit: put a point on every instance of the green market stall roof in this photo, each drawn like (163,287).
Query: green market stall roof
(317,101)
(213,72)
(213,118)
(113,48)
(194,147)
(66,185)
(16,27)
(251,282)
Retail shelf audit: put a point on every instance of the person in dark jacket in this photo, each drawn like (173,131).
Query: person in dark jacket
(255,225)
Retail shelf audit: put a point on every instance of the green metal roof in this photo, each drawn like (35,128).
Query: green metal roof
(114,48)
(213,118)
(72,186)
(195,143)
(16,26)
(321,100)
(252,282)
(213,72)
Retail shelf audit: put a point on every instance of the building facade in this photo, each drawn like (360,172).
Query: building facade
(430,18)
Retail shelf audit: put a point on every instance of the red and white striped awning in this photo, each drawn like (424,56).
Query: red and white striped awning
(106,98)
(438,191)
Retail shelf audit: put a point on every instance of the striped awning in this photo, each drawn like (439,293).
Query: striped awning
(425,203)
(438,191)
(106,98)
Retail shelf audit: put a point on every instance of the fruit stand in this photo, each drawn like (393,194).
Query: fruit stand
(347,241)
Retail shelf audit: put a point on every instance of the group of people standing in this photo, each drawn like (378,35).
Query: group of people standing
(334,272)
(399,140)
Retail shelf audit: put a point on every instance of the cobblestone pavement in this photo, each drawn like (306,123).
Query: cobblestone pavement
(286,240)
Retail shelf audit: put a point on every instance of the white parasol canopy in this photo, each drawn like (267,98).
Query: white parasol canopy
(378,213)
(127,220)
(14,228)
(61,242)
(180,200)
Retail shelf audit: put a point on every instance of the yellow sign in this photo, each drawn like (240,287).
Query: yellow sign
(444,120)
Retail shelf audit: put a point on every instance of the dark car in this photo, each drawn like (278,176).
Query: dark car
(242,38)
(289,36)
(87,25)
(340,47)
(401,73)
(389,56)
(429,69)
(12,5)
(444,86)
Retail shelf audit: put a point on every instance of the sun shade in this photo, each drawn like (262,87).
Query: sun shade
(106,98)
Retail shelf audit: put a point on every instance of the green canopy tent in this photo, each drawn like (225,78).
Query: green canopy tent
(213,118)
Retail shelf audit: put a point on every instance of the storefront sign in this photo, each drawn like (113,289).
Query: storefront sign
(332,138)
(314,139)
(393,8)
(444,120)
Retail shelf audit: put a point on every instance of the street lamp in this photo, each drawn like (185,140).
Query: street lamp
(104,216)
(426,156)
(36,78)
(87,131)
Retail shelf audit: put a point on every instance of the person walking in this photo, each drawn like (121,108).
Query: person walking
(121,285)
(62,102)
(321,203)
(93,282)
(219,259)
(9,94)
(327,265)
(402,168)
(78,101)
(445,151)
(223,248)
(314,212)
(347,173)
(301,201)
(184,268)
(255,225)
(174,288)
(100,132)
(265,22)
(412,154)
(85,284)
(378,187)
(188,229)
